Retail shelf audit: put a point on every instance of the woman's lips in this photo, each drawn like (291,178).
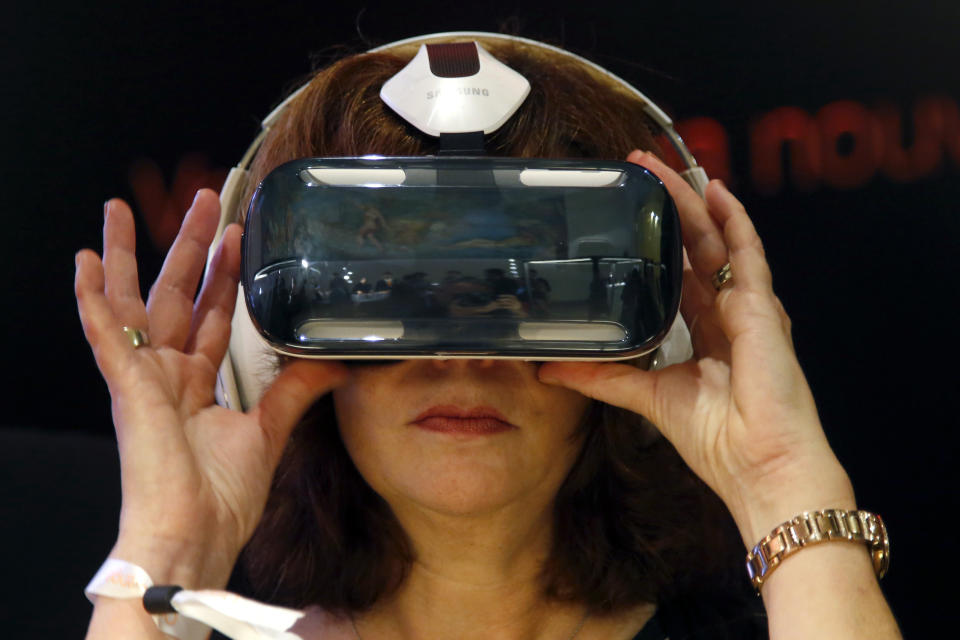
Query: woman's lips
(452,419)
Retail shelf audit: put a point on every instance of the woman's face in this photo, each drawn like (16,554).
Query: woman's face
(459,436)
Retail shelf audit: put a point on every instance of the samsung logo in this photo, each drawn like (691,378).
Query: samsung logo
(460,91)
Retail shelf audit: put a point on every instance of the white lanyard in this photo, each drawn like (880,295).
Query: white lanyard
(197,611)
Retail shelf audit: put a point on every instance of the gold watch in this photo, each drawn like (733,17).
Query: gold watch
(813,527)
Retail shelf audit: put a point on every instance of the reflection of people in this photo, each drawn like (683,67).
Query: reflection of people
(412,297)
(362,286)
(475,498)
(385,283)
(339,289)
(504,305)
(539,293)
(499,283)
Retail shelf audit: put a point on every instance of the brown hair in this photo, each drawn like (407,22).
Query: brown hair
(572,111)
(631,521)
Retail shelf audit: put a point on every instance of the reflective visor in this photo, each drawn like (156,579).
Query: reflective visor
(440,256)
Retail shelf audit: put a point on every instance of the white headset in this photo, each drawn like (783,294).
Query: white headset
(249,365)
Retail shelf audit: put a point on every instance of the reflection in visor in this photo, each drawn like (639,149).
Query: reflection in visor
(462,257)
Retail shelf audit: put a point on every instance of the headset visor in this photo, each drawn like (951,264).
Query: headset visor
(441,256)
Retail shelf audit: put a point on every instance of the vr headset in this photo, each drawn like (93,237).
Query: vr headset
(457,255)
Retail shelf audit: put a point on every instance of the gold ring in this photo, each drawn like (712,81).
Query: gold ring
(138,337)
(721,277)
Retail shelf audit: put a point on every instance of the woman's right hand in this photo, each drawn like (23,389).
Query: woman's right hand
(195,476)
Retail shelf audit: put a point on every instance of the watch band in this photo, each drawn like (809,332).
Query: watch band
(814,527)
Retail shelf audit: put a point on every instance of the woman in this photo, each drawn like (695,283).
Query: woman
(461,467)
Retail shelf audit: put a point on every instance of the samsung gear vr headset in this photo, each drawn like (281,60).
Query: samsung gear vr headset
(456,255)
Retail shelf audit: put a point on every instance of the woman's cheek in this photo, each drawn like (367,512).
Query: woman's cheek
(561,405)
(357,406)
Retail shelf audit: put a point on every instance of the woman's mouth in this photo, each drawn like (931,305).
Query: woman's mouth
(453,419)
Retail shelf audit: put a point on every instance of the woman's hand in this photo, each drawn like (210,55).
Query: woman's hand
(195,476)
(740,413)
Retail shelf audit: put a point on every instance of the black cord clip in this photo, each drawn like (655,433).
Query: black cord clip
(157,599)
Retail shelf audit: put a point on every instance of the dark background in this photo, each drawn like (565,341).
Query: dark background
(868,274)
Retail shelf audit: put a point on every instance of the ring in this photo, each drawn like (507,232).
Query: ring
(138,337)
(721,277)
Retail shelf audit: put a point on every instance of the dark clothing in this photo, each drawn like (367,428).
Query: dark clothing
(708,617)
(651,631)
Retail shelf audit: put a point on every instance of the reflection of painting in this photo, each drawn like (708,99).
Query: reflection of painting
(363,223)
(407,231)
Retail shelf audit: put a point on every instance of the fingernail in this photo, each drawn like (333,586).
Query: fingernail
(196,197)
(106,208)
(76,260)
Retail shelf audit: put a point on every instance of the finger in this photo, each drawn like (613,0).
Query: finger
(210,331)
(121,283)
(698,306)
(697,299)
(785,321)
(701,234)
(100,326)
(298,386)
(668,397)
(749,306)
(747,260)
(170,305)
(620,385)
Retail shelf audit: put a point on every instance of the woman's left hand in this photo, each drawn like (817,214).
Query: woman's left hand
(740,412)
